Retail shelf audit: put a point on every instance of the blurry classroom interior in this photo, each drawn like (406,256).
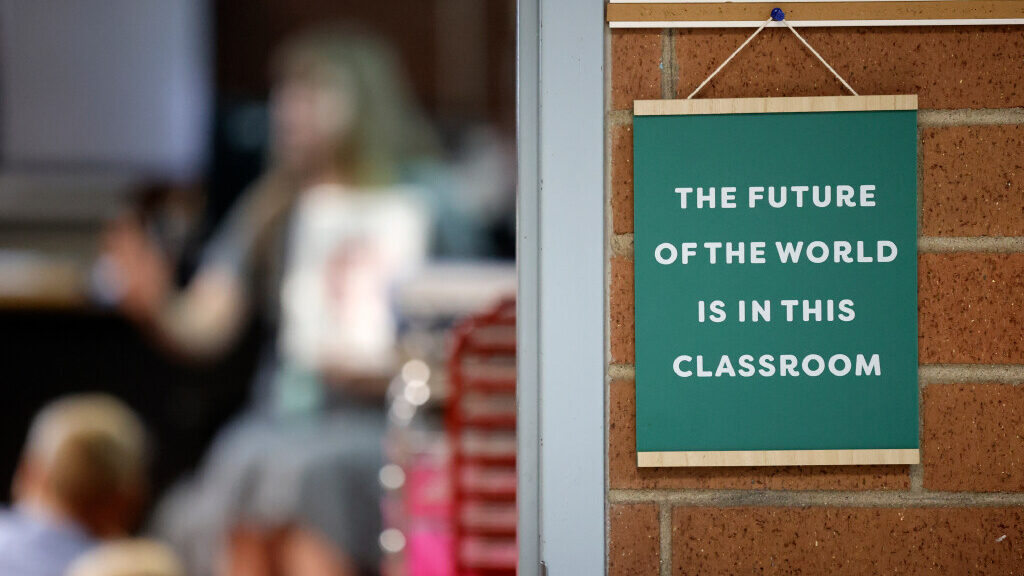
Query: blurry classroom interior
(159,109)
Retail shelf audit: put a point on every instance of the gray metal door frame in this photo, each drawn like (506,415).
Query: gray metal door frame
(561,301)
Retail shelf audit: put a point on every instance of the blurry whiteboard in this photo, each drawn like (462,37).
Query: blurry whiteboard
(111,85)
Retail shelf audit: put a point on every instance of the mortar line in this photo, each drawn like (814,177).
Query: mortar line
(917,470)
(817,498)
(991,244)
(674,81)
(970,117)
(622,245)
(665,530)
(665,64)
(621,371)
(619,118)
(608,72)
(939,374)
(919,193)
(917,476)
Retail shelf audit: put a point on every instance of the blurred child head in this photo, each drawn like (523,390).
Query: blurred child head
(84,461)
(132,557)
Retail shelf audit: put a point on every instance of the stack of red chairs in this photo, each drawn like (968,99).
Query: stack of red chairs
(481,422)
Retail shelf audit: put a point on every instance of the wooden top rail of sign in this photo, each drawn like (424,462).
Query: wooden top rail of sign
(770,105)
(745,13)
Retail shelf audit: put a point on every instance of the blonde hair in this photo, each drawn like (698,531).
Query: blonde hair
(89,447)
(134,557)
(389,129)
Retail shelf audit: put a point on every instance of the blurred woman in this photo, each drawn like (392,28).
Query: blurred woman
(315,247)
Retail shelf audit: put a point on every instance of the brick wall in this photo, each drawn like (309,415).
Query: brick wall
(962,510)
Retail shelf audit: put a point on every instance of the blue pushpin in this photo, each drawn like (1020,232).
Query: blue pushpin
(778,15)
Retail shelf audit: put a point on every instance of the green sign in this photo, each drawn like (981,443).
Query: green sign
(776,281)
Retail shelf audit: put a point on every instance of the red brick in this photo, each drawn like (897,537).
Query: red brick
(634,540)
(621,310)
(972,178)
(840,541)
(948,67)
(971,308)
(972,437)
(624,473)
(622,179)
(636,67)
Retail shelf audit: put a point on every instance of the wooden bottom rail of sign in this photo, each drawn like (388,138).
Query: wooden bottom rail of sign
(778,458)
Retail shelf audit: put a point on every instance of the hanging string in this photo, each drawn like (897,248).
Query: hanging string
(729,59)
(777,15)
(815,52)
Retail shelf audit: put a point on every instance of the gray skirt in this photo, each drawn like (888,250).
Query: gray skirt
(318,471)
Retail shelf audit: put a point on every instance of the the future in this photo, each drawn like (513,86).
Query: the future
(844,195)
